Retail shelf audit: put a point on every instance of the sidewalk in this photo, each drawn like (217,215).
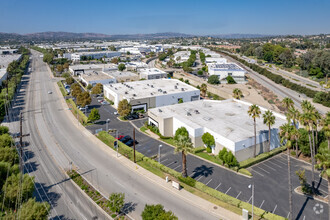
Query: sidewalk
(182,194)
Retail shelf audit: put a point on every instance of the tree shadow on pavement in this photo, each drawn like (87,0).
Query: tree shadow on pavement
(202,171)
(129,207)
(42,194)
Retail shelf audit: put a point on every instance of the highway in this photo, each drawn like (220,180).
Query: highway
(58,137)
(52,185)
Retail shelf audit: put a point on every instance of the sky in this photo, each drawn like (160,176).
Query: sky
(198,17)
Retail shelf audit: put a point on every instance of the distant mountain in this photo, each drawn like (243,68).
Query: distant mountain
(239,36)
(62,36)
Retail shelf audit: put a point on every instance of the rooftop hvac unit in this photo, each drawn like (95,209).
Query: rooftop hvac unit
(164,92)
(148,84)
(151,93)
(188,114)
(175,87)
(177,84)
(126,92)
(160,110)
(196,111)
(160,90)
(134,94)
(152,86)
(182,89)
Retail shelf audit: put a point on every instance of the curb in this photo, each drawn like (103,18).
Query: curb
(309,196)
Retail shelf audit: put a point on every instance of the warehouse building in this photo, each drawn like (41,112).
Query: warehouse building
(122,76)
(228,122)
(94,77)
(5,60)
(227,69)
(147,94)
(152,73)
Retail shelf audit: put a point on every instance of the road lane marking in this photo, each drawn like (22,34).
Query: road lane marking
(208,182)
(274,208)
(199,178)
(227,190)
(263,170)
(269,167)
(238,194)
(217,186)
(275,164)
(258,172)
(262,204)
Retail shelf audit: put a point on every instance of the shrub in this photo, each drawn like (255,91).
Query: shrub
(188,180)
(213,80)
(230,80)
(181,131)
(222,154)
(208,150)
(121,67)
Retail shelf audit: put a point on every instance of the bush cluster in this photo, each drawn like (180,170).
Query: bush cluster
(228,158)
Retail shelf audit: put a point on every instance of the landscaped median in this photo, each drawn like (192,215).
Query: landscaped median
(75,111)
(62,89)
(188,183)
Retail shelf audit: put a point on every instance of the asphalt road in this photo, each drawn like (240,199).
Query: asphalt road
(270,177)
(52,185)
(105,174)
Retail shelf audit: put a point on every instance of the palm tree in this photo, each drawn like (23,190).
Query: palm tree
(323,158)
(269,119)
(254,112)
(317,117)
(237,93)
(294,115)
(203,89)
(325,122)
(287,102)
(286,136)
(184,146)
(307,120)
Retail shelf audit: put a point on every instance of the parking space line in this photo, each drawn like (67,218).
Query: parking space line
(192,173)
(258,172)
(170,163)
(177,167)
(199,178)
(263,170)
(304,217)
(249,199)
(227,190)
(275,164)
(238,194)
(274,209)
(208,182)
(261,204)
(269,167)
(288,215)
(217,186)
(164,160)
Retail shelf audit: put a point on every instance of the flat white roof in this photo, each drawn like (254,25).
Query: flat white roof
(150,88)
(93,75)
(152,71)
(6,59)
(225,67)
(228,118)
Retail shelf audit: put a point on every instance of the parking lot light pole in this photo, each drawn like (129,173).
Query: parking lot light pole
(107,125)
(159,152)
(252,186)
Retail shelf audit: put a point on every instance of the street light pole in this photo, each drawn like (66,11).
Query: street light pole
(107,124)
(252,186)
(159,152)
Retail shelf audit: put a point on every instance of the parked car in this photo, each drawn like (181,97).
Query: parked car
(125,139)
(105,103)
(131,142)
(115,113)
(120,137)
(135,116)
(82,108)
(49,92)
(129,117)
(100,100)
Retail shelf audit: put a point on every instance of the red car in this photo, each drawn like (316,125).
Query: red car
(120,137)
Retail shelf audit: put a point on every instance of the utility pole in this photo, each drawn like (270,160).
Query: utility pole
(134,143)
(21,135)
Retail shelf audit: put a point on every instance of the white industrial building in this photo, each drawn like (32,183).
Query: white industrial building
(227,69)
(76,57)
(147,94)
(219,60)
(93,77)
(227,121)
(181,56)
(152,73)
(5,60)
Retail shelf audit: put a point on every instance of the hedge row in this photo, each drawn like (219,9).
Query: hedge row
(251,161)
(108,139)
(287,83)
(82,116)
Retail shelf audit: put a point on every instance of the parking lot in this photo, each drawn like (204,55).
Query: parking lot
(269,177)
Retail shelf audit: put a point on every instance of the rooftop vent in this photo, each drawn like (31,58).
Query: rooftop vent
(126,92)
(148,84)
(160,90)
(177,84)
(152,86)
(188,114)
(175,87)
(160,110)
(196,111)
(182,89)
(151,93)
(164,92)
(134,94)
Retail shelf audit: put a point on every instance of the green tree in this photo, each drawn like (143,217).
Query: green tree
(230,159)
(4,130)
(121,67)
(75,90)
(69,80)
(84,99)
(286,136)
(230,80)
(269,120)
(200,72)
(6,140)
(34,210)
(222,154)
(48,58)
(116,202)
(94,115)
(124,108)
(8,154)
(97,89)
(237,93)
(158,212)
(184,146)
(181,131)
(89,86)
(214,79)
(208,139)
(203,89)
(254,112)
